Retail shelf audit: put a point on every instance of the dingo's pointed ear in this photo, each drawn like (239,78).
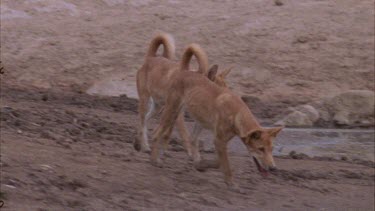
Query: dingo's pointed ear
(274,131)
(255,135)
(212,72)
(226,72)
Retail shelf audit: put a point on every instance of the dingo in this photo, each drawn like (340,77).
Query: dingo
(218,109)
(154,81)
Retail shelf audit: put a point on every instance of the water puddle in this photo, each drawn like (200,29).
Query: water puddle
(336,143)
(354,144)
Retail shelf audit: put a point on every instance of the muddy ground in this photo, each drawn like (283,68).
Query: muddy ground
(72,151)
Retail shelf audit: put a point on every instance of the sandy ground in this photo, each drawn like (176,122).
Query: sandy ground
(292,54)
(62,149)
(71,151)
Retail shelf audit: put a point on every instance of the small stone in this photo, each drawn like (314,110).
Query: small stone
(49,135)
(45,97)
(45,167)
(302,39)
(10,186)
(294,155)
(68,140)
(69,112)
(279,3)
(17,123)
(344,158)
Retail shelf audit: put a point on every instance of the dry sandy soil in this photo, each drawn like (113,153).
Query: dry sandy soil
(62,149)
(71,151)
(292,54)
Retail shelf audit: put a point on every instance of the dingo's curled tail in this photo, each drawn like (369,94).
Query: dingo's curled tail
(200,55)
(168,44)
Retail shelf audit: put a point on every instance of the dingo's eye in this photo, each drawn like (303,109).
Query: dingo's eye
(261,149)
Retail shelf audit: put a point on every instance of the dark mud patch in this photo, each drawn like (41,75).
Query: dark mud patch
(79,99)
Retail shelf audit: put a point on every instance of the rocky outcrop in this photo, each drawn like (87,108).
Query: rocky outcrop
(354,108)
(301,116)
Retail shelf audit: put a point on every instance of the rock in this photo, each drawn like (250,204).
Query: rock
(296,119)
(302,39)
(45,97)
(45,167)
(300,116)
(344,158)
(295,155)
(310,111)
(352,107)
(49,135)
(279,3)
(10,186)
(341,119)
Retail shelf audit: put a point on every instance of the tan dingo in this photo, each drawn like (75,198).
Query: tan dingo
(217,109)
(154,81)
